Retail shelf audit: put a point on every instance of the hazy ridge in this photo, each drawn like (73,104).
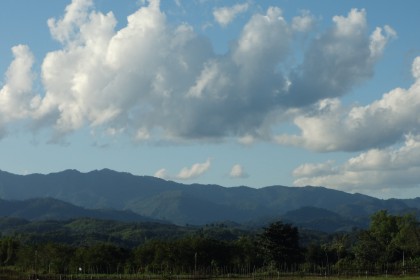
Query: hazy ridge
(107,194)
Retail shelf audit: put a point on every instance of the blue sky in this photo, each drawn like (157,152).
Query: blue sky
(254,93)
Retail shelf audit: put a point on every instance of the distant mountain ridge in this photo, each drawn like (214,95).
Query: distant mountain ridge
(189,204)
(39,209)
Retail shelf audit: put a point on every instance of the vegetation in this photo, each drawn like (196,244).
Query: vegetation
(390,246)
(71,194)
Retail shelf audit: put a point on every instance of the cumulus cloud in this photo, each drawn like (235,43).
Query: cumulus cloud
(377,170)
(382,123)
(225,15)
(386,165)
(154,81)
(133,79)
(194,171)
(314,170)
(338,60)
(238,171)
(66,30)
(16,96)
(304,22)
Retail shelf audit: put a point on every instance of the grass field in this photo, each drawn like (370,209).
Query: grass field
(14,275)
(174,277)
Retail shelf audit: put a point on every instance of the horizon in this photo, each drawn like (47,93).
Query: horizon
(238,93)
(195,183)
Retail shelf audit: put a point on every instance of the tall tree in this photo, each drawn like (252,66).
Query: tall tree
(388,239)
(407,240)
(280,244)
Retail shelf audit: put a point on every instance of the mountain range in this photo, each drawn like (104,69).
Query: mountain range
(108,194)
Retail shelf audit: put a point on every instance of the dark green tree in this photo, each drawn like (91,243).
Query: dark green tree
(315,255)
(407,239)
(99,258)
(374,245)
(280,244)
(244,253)
(389,239)
(8,251)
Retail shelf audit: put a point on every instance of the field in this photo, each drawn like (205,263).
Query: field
(192,277)
(199,278)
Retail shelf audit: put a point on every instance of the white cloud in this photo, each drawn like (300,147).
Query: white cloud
(194,171)
(304,22)
(314,170)
(161,173)
(66,29)
(225,15)
(238,171)
(415,69)
(374,171)
(380,38)
(139,78)
(347,55)
(16,96)
(264,41)
(142,135)
(247,140)
(384,122)
(208,77)
(386,167)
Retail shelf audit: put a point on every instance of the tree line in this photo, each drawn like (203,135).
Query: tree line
(390,245)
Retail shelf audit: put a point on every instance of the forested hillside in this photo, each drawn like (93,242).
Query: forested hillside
(391,245)
(54,209)
(193,204)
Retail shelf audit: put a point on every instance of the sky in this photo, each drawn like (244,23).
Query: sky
(254,93)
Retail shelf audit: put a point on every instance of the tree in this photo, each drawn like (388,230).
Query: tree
(100,258)
(375,246)
(339,245)
(315,255)
(407,240)
(8,251)
(388,239)
(244,252)
(280,244)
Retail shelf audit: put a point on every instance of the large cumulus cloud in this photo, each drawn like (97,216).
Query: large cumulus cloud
(153,80)
(377,128)
(338,60)
(386,121)
(16,97)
